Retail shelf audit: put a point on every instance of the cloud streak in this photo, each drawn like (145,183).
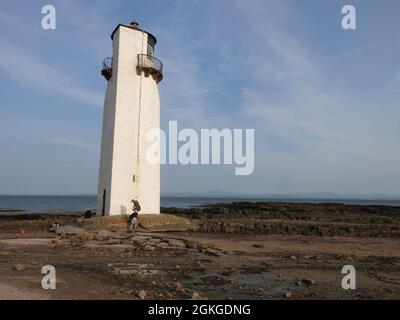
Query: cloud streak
(29,70)
(74,143)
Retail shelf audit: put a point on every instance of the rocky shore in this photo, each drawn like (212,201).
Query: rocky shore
(308,219)
(221,251)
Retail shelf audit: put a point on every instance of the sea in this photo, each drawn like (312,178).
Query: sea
(80,203)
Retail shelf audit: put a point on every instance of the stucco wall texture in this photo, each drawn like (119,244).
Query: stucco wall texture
(131,109)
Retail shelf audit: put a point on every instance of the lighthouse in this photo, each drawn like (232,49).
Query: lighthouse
(131,110)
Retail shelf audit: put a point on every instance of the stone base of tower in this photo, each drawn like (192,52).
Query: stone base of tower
(162,222)
(114,205)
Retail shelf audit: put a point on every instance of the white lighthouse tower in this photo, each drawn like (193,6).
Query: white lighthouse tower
(131,109)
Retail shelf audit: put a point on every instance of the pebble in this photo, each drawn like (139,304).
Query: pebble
(142,294)
(19,267)
(308,282)
(259,290)
(212,252)
(149,247)
(179,287)
(196,296)
(191,245)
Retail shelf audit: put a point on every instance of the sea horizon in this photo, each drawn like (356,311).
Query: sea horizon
(34,203)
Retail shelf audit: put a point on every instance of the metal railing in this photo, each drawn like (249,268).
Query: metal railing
(146,62)
(151,65)
(106,70)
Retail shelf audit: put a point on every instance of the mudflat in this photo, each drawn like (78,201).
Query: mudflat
(223,251)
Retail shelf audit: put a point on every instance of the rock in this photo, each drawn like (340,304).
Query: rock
(19,267)
(212,252)
(293,257)
(308,282)
(288,295)
(179,287)
(53,227)
(142,294)
(104,233)
(115,264)
(69,230)
(176,243)
(191,245)
(196,296)
(154,241)
(127,271)
(149,247)
(259,290)
(163,245)
(199,266)
(85,237)
(202,248)
(112,241)
(140,238)
(138,242)
(117,248)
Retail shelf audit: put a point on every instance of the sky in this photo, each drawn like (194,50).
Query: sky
(323,101)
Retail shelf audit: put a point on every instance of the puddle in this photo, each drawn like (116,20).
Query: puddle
(274,285)
(9,248)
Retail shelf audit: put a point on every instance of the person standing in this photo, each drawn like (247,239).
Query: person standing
(134,217)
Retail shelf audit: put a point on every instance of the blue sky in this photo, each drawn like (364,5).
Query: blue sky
(324,102)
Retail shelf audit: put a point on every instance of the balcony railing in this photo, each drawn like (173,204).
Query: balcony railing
(146,63)
(106,70)
(150,65)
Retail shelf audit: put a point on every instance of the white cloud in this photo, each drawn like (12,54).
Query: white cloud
(29,70)
(324,128)
(74,143)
